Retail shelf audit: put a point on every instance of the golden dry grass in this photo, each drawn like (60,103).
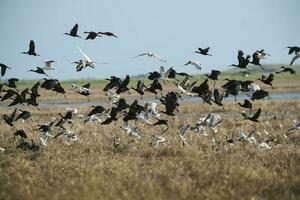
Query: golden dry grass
(93,168)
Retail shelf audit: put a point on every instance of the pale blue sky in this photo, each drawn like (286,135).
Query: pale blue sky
(173,29)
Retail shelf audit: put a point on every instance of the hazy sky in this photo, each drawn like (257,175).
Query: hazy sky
(173,29)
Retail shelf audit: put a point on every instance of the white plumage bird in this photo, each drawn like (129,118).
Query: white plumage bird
(152,55)
(49,65)
(197,64)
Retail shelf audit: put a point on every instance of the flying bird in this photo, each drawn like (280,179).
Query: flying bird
(38,71)
(197,64)
(48,65)
(287,69)
(3,68)
(254,117)
(152,55)
(293,49)
(73,31)
(297,55)
(267,80)
(91,35)
(108,34)
(10,118)
(31,50)
(203,51)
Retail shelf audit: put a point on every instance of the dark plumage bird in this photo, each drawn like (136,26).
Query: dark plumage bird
(293,49)
(114,82)
(113,116)
(65,119)
(49,84)
(202,89)
(140,88)
(259,94)
(38,71)
(246,104)
(31,50)
(32,100)
(9,94)
(267,80)
(254,117)
(96,110)
(9,119)
(20,133)
(256,59)
(73,31)
(213,76)
(91,35)
(46,127)
(121,105)
(245,85)
(24,145)
(203,51)
(123,86)
(133,111)
(218,97)
(155,85)
(59,89)
(23,115)
(11,82)
(242,61)
(287,69)
(3,69)
(154,75)
(232,87)
(170,101)
(161,122)
(108,34)
(20,98)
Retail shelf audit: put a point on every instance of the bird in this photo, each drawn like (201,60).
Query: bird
(38,71)
(155,85)
(267,80)
(170,101)
(140,88)
(197,64)
(108,34)
(256,56)
(287,69)
(92,35)
(31,50)
(20,133)
(23,115)
(123,86)
(161,122)
(73,31)
(218,97)
(160,139)
(259,94)
(213,76)
(293,49)
(185,87)
(96,110)
(48,65)
(83,90)
(203,51)
(295,128)
(232,87)
(154,75)
(3,68)
(182,132)
(152,55)
(254,117)
(246,104)
(87,62)
(65,119)
(10,118)
(11,83)
(242,61)
(297,55)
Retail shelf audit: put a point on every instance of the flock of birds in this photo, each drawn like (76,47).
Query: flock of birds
(148,114)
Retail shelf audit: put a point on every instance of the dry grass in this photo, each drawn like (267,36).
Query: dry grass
(93,168)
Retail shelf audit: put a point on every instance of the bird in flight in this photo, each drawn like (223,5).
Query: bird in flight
(254,117)
(38,71)
(152,55)
(48,65)
(73,31)
(203,51)
(197,64)
(108,34)
(92,35)
(31,50)
(3,69)
(287,69)
(81,64)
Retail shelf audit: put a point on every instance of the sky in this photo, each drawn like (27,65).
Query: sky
(172,29)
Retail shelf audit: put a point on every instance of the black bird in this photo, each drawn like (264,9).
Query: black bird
(121,105)
(20,97)
(213,76)
(46,127)
(259,94)
(154,75)
(11,82)
(31,50)
(293,49)
(114,82)
(23,115)
(73,31)
(3,69)
(218,97)
(123,86)
(245,85)
(96,110)
(287,69)
(91,35)
(49,84)
(108,34)
(24,145)
(34,95)
(113,117)
(202,89)
(38,70)
(256,59)
(20,133)
(170,101)
(243,62)
(140,88)
(203,51)
(161,122)
(133,111)
(232,87)
(64,119)
(246,104)
(267,80)
(155,85)
(9,94)
(9,119)
(59,89)
(254,117)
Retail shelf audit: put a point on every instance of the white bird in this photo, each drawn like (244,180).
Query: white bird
(1,149)
(264,145)
(297,55)
(249,138)
(151,109)
(212,120)
(134,134)
(185,87)
(48,65)
(125,127)
(160,139)
(113,97)
(87,62)
(261,54)
(197,64)
(152,55)
(182,133)
(252,88)
(92,118)
(43,141)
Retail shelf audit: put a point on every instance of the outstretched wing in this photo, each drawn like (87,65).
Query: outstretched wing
(294,58)
(31,46)
(74,30)
(87,86)
(256,115)
(84,55)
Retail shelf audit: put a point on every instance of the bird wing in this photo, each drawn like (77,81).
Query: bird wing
(87,86)
(142,54)
(31,46)
(294,58)
(240,56)
(13,114)
(159,58)
(74,30)
(84,55)
(3,69)
(256,115)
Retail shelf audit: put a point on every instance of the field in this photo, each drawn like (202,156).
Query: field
(92,168)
